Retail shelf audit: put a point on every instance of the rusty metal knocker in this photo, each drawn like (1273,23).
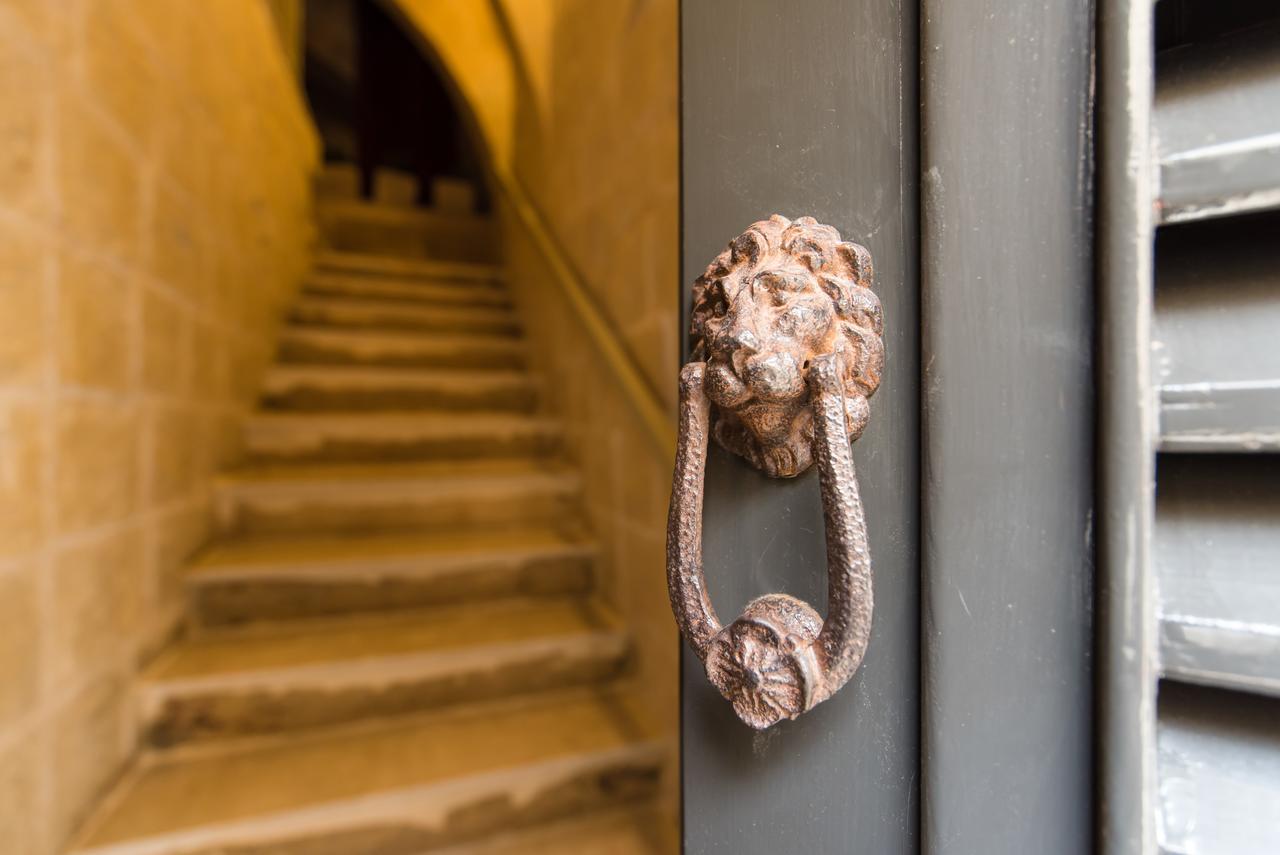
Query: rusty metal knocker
(787,349)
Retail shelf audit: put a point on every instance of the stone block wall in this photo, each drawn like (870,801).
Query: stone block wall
(155,163)
(601,158)
(626,479)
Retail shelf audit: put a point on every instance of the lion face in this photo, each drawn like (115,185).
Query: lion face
(781,294)
(765,327)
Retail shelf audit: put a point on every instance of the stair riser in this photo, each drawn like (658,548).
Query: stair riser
(344,449)
(305,352)
(397,318)
(337,514)
(203,716)
(463,242)
(222,603)
(319,398)
(407,270)
(461,294)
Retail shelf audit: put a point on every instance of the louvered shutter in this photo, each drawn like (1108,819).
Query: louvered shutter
(1213,569)
(1216,360)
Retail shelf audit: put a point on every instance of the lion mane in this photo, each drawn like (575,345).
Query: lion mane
(841,269)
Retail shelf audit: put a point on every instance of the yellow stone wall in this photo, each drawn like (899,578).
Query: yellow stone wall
(155,162)
(596,147)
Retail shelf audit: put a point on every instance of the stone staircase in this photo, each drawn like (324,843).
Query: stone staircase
(392,644)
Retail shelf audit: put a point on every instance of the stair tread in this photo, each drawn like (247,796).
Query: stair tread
(391,435)
(371,312)
(347,375)
(419,772)
(409,288)
(285,430)
(390,214)
(392,422)
(402,308)
(444,629)
(318,554)
(395,265)
(632,832)
(358,498)
(357,346)
(399,337)
(423,475)
(379,388)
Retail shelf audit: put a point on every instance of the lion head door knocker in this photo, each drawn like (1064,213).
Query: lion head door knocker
(786,338)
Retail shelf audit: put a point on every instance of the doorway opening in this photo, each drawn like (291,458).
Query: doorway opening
(385,114)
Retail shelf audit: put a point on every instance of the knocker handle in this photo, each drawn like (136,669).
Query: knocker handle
(779,659)
(686,584)
(787,350)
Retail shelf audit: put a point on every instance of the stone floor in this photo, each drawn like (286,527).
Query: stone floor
(392,644)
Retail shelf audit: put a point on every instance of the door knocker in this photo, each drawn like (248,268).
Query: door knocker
(786,343)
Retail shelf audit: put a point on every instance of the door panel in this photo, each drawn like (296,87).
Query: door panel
(809,108)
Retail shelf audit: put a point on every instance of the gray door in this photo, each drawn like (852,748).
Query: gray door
(967,729)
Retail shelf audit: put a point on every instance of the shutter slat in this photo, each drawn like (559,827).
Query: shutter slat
(1217,555)
(1220,416)
(1216,336)
(1219,764)
(1216,127)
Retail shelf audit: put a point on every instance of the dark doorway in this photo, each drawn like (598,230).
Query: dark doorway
(379,103)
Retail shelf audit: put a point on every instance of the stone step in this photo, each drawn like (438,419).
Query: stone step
(261,579)
(408,290)
(404,231)
(363,313)
(410,497)
(389,265)
(312,345)
(394,787)
(305,387)
(613,832)
(385,437)
(270,678)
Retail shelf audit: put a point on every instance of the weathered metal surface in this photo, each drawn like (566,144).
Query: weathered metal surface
(781,294)
(786,346)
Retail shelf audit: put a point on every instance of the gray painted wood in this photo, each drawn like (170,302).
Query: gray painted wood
(1216,128)
(1217,533)
(808,107)
(1219,773)
(1007,273)
(1220,416)
(1217,336)
(1218,570)
(1127,418)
